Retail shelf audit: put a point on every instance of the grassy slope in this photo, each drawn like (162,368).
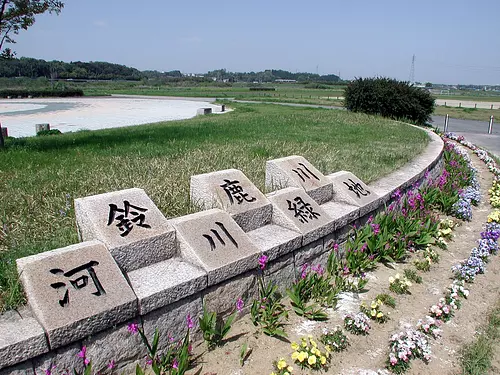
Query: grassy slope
(41,176)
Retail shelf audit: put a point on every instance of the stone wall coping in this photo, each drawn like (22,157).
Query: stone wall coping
(22,338)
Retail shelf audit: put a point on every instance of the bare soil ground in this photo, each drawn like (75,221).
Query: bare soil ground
(367,354)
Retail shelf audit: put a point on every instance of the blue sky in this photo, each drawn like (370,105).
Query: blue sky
(453,41)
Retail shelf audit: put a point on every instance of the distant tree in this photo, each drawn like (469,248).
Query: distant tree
(17,15)
(428,84)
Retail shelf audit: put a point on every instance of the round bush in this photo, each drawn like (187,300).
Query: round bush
(389,98)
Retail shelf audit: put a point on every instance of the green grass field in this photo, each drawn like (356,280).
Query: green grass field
(477,114)
(40,176)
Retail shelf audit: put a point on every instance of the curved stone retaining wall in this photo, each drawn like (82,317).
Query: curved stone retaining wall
(133,265)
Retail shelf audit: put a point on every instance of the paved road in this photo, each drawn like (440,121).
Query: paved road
(474,131)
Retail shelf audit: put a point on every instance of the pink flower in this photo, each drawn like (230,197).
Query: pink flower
(336,247)
(86,361)
(189,321)
(263,261)
(112,364)
(239,305)
(82,352)
(133,328)
(175,364)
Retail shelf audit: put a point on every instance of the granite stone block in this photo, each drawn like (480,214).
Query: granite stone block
(171,320)
(222,297)
(166,282)
(76,291)
(283,278)
(231,191)
(349,189)
(296,171)
(213,241)
(63,360)
(295,210)
(275,241)
(343,214)
(308,252)
(116,344)
(130,225)
(21,338)
(24,368)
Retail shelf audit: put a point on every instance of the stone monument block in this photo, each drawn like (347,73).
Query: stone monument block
(166,282)
(296,171)
(130,225)
(297,211)
(213,241)
(231,191)
(351,190)
(76,291)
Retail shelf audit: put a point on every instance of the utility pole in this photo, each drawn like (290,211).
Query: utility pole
(412,70)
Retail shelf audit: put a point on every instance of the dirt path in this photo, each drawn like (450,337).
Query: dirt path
(367,354)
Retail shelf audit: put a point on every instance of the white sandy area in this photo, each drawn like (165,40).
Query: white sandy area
(95,113)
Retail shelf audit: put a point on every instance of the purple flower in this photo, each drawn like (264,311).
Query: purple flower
(336,247)
(82,352)
(133,328)
(263,261)
(363,248)
(112,364)
(239,305)
(375,228)
(175,364)
(189,321)
(86,361)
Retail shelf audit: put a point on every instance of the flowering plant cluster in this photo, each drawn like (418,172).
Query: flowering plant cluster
(495,194)
(308,355)
(374,312)
(430,326)
(281,368)
(445,232)
(442,311)
(468,269)
(358,324)
(334,339)
(405,346)
(458,287)
(399,285)
(494,217)
(174,359)
(423,264)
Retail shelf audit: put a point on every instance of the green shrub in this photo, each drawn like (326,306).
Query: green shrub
(389,98)
(48,132)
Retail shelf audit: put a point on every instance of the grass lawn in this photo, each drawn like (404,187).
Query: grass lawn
(40,176)
(477,114)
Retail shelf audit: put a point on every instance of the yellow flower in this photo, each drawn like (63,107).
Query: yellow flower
(397,276)
(328,348)
(273,373)
(379,302)
(304,344)
(311,360)
(316,352)
(313,343)
(281,364)
(286,373)
(295,355)
(391,280)
(322,359)
(302,356)
(289,368)
(373,305)
(379,315)
(374,312)
(295,346)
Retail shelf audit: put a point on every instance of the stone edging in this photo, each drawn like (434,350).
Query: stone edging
(166,289)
